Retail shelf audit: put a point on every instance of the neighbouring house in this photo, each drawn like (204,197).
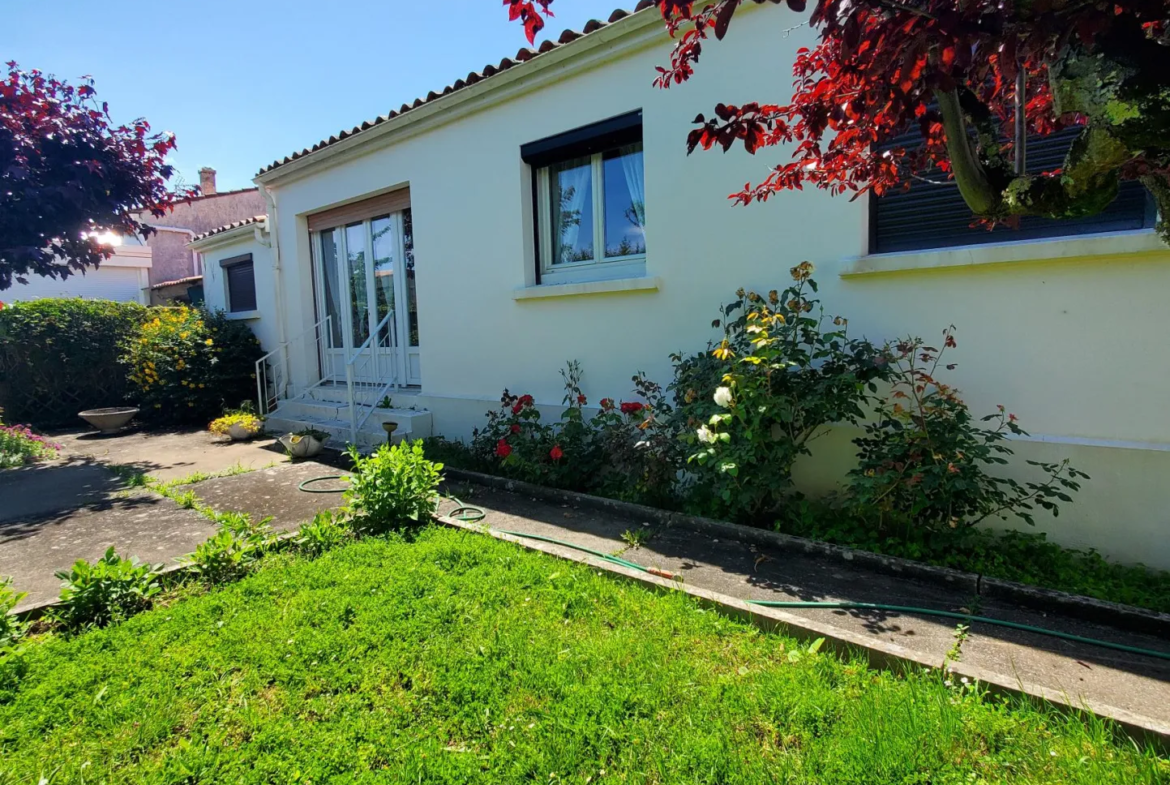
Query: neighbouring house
(160,269)
(176,273)
(545,209)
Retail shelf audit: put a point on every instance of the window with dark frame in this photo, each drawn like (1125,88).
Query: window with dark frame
(241,283)
(589,201)
(932,214)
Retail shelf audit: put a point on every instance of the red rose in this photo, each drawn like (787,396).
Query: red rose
(517,408)
(556,453)
(503,449)
(525,400)
(607,403)
(632,407)
(581,399)
(516,428)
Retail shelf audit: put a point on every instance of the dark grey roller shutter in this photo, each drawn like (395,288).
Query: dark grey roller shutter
(241,285)
(935,216)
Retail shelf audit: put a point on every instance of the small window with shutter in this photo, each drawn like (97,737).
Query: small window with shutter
(241,283)
(932,214)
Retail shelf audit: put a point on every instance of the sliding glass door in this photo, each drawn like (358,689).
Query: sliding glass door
(365,283)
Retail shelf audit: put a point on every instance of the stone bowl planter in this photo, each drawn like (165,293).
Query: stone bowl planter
(239,433)
(302,446)
(111,420)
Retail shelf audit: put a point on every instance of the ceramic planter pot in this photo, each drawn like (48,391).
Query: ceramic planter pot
(302,446)
(109,420)
(239,433)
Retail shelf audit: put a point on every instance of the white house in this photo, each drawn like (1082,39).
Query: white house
(415,256)
(124,277)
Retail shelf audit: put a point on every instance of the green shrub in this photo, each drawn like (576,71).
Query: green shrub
(324,533)
(923,460)
(12,629)
(109,590)
(393,487)
(232,551)
(786,379)
(60,356)
(188,365)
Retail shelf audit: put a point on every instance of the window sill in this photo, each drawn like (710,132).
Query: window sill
(612,286)
(1139,242)
(242,316)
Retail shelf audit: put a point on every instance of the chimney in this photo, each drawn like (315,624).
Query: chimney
(207,181)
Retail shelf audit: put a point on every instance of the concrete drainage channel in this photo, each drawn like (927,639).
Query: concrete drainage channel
(881,653)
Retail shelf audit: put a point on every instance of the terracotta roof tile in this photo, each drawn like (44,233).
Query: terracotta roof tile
(177,282)
(228,227)
(488,71)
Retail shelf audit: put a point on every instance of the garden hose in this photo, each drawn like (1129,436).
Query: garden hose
(302,486)
(468,513)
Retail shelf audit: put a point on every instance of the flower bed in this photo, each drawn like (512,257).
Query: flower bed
(19,446)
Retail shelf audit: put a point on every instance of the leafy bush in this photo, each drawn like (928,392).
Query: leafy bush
(641,452)
(786,379)
(109,590)
(60,356)
(324,533)
(392,487)
(923,460)
(19,445)
(233,550)
(189,365)
(12,629)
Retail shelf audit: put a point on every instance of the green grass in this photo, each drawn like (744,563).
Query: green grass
(457,658)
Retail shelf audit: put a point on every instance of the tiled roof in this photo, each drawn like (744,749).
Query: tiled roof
(488,71)
(228,227)
(177,282)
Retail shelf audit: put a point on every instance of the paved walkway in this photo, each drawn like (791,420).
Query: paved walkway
(53,514)
(1135,684)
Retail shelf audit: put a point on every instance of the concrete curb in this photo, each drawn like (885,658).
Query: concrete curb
(1123,617)
(880,654)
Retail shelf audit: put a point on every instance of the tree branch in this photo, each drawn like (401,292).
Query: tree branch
(969,173)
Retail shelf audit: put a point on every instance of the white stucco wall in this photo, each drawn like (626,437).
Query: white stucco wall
(1072,344)
(263,320)
(123,277)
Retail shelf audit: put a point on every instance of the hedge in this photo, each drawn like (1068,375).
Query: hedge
(61,356)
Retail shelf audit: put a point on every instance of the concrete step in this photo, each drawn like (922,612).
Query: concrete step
(412,423)
(338,430)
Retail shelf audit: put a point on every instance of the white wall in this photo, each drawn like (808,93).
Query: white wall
(1073,345)
(123,278)
(262,321)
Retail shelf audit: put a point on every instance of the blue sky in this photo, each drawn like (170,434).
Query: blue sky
(242,82)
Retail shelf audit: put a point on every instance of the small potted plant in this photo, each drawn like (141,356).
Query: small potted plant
(239,425)
(305,443)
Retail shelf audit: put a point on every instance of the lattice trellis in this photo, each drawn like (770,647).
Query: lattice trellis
(49,394)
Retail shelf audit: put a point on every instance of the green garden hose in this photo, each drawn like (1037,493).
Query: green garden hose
(468,513)
(303,486)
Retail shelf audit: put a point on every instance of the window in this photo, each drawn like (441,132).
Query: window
(241,283)
(590,202)
(934,215)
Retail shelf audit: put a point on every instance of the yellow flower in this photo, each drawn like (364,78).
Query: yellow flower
(201,386)
(208,342)
(184,335)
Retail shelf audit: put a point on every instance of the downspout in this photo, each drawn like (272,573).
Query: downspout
(274,244)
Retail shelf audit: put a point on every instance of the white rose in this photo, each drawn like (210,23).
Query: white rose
(706,435)
(723,397)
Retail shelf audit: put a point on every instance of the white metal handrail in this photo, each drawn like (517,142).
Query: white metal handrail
(368,352)
(273,372)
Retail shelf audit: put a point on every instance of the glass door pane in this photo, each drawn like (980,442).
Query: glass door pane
(355,246)
(411,295)
(331,287)
(385,250)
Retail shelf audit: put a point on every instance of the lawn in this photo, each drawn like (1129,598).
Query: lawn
(457,658)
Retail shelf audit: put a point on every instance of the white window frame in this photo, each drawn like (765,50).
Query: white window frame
(600,267)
